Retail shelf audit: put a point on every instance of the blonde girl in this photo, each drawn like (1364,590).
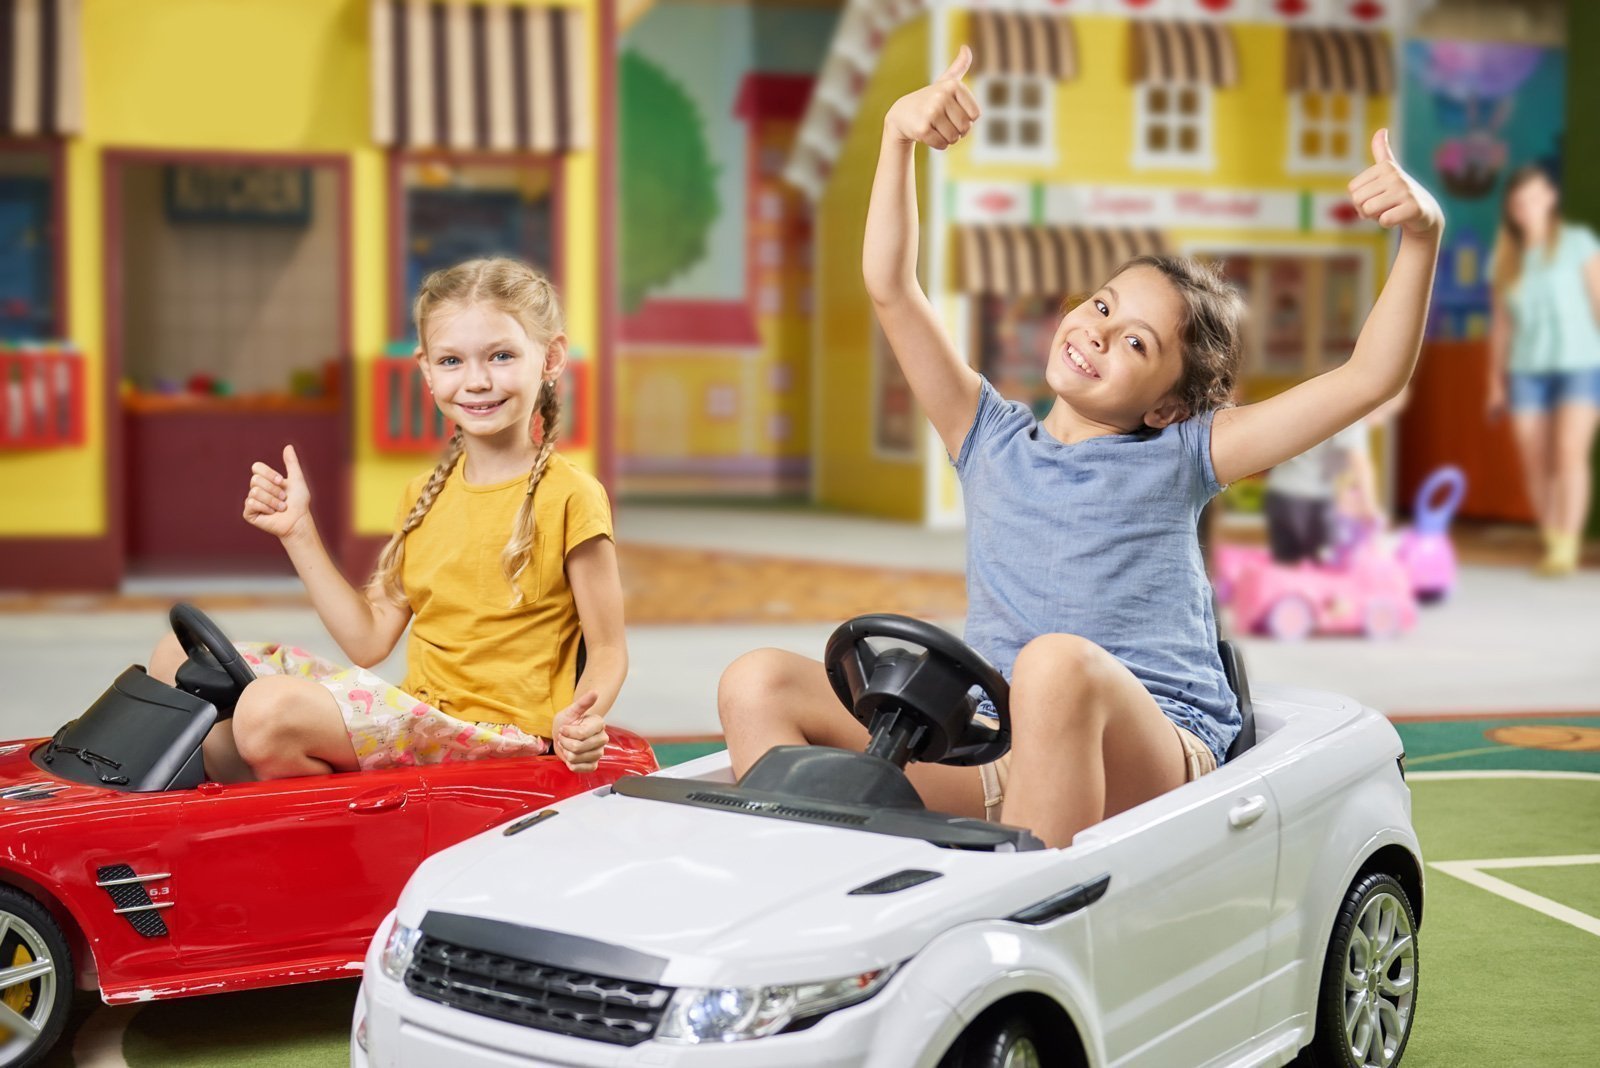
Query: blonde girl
(501,557)
(1084,576)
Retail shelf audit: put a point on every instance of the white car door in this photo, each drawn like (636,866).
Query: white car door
(1180,936)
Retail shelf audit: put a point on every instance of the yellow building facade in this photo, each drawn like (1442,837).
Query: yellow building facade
(1223,131)
(309,84)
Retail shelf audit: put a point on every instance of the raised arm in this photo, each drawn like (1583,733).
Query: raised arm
(937,115)
(1253,437)
(365,624)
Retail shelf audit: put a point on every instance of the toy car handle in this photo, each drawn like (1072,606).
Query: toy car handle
(980,744)
(1431,518)
(196,633)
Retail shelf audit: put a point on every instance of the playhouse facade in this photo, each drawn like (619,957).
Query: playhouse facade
(1111,128)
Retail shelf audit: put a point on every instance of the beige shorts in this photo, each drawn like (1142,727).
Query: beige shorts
(1197,758)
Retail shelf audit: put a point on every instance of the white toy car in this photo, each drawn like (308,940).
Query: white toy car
(815,914)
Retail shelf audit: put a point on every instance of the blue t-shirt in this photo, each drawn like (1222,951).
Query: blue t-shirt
(1097,539)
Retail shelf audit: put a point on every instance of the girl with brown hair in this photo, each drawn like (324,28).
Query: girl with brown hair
(1544,356)
(1084,576)
(502,557)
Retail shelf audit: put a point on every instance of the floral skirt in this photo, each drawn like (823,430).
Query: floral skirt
(388,727)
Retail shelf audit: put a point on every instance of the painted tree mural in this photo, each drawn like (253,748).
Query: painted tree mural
(668,180)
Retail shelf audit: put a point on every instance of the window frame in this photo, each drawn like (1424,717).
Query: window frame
(1354,129)
(1203,157)
(1044,154)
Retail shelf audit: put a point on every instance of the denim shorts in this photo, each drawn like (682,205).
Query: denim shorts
(1548,390)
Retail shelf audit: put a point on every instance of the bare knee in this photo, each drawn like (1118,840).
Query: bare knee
(268,722)
(165,660)
(1054,682)
(751,681)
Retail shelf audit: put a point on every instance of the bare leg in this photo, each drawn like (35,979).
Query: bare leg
(165,660)
(286,726)
(771,697)
(1533,435)
(1575,426)
(1088,740)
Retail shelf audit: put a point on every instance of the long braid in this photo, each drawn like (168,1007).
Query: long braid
(515,556)
(386,577)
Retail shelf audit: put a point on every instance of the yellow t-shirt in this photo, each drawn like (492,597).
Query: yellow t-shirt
(470,653)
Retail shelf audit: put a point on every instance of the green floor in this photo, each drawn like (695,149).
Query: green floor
(1501,984)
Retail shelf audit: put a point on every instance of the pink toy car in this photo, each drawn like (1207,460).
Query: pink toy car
(1370,593)
(1425,550)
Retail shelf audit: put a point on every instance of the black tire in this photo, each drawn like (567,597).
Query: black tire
(30,935)
(1003,1041)
(1375,908)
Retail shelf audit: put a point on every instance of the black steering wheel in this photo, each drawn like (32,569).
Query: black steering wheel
(927,691)
(215,670)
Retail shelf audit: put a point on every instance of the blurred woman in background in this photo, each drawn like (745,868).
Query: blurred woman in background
(1544,348)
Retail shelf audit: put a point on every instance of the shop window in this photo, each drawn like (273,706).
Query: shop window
(1172,125)
(454,211)
(1304,313)
(1018,120)
(1013,342)
(28,247)
(1325,132)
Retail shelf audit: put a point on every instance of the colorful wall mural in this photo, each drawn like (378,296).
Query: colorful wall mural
(1474,112)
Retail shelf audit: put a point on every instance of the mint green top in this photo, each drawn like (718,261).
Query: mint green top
(1554,328)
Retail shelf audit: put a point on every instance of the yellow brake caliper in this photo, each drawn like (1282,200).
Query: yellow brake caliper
(17,998)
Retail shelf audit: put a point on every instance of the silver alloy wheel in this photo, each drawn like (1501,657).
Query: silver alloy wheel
(1022,1054)
(19,1030)
(1380,982)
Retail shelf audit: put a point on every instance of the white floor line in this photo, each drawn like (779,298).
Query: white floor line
(1470,871)
(1440,776)
(99,1040)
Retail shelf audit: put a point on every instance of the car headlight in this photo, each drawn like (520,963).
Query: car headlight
(397,951)
(732,1014)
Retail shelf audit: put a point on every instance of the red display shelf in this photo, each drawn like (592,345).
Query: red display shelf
(404,417)
(41,400)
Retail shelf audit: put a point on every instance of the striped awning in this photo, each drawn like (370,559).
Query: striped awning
(1340,61)
(1044,261)
(1189,52)
(1017,43)
(494,77)
(41,68)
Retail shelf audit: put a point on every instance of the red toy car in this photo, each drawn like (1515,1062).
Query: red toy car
(122,869)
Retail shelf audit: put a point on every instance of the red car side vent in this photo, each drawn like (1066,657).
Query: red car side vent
(131,898)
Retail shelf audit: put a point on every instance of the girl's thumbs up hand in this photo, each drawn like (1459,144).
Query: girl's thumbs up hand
(940,114)
(279,504)
(1385,193)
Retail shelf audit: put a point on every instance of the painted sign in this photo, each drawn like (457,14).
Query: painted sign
(199,192)
(1157,207)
